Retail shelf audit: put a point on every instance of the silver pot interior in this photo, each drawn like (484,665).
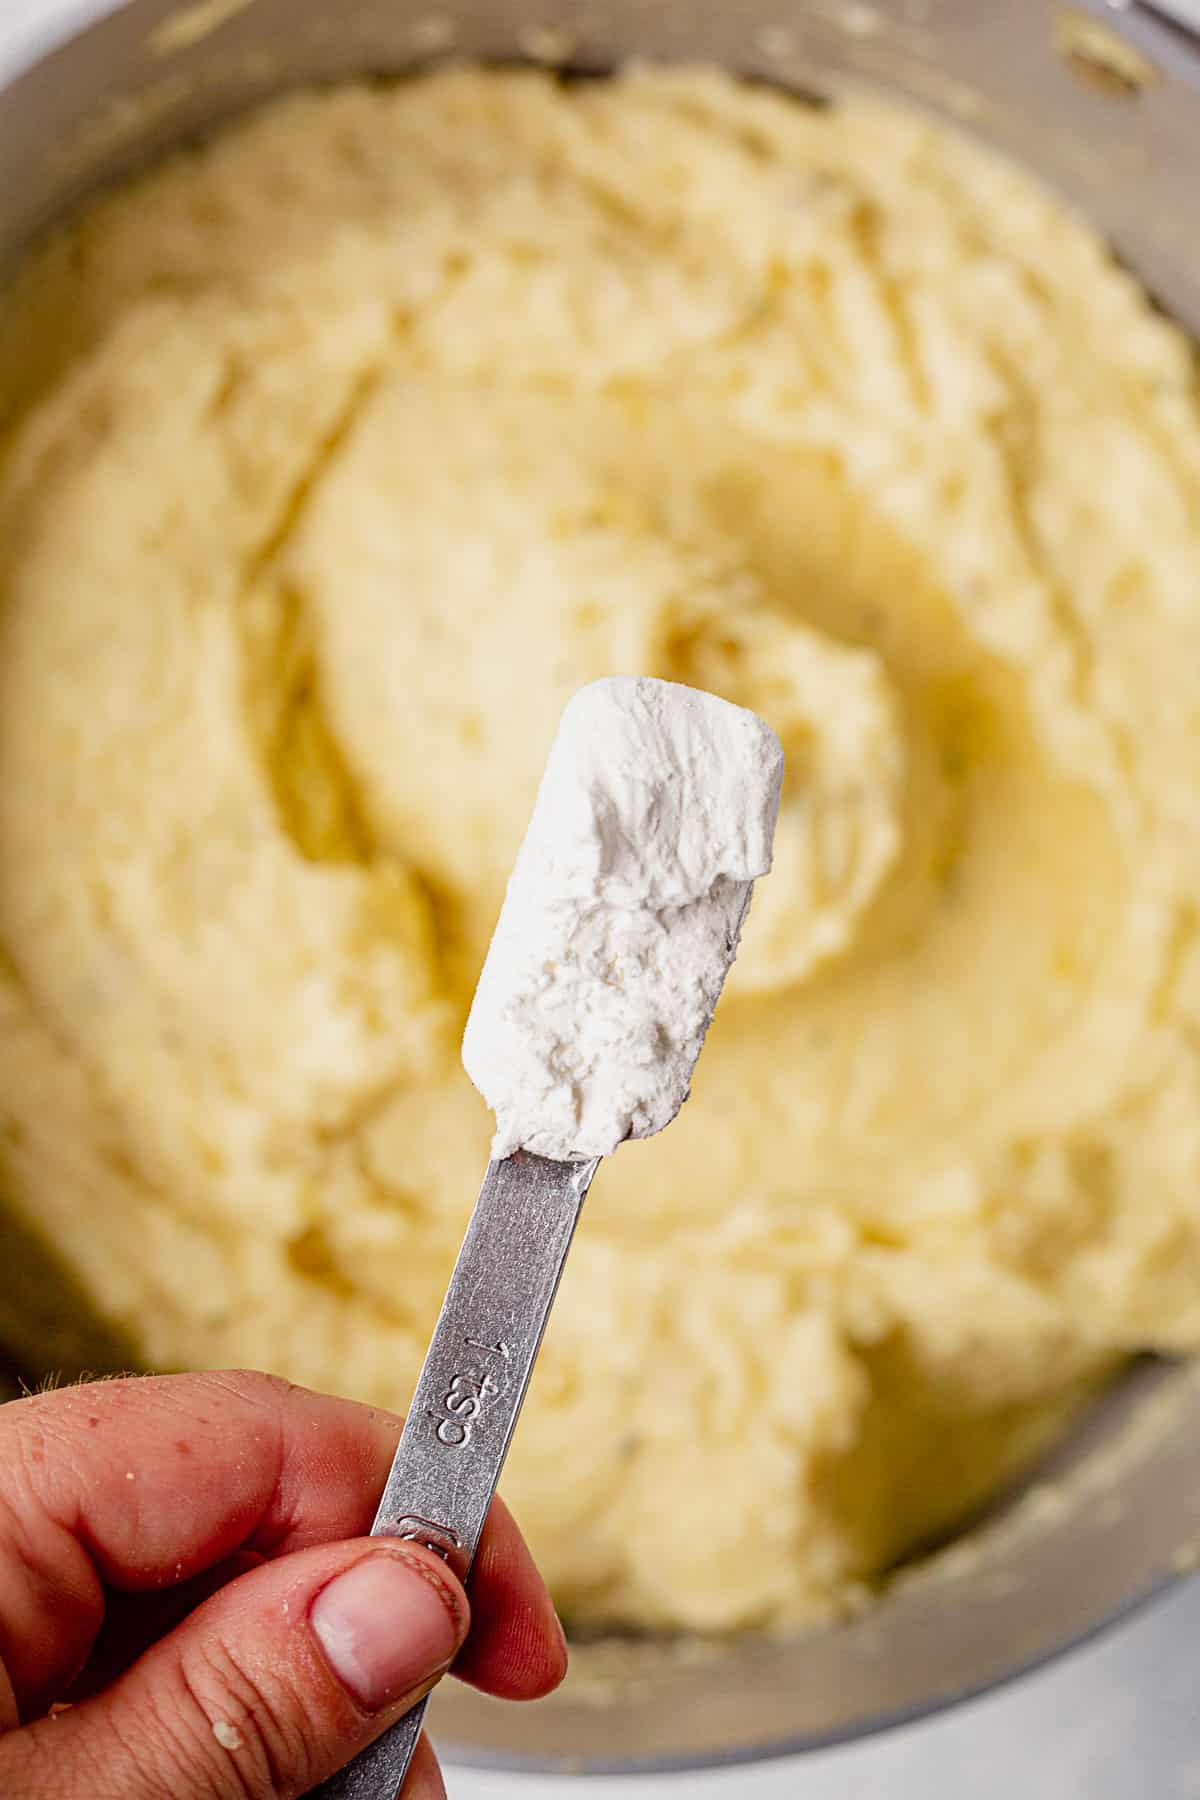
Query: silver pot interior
(1115,125)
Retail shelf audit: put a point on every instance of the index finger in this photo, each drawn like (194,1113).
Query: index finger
(160,1478)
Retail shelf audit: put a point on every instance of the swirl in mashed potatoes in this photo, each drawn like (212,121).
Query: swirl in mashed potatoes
(339,454)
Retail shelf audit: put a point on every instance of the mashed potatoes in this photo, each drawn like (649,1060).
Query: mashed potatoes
(339,455)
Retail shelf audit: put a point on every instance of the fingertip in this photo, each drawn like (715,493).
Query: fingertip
(516,1649)
(536,1666)
(557,1664)
(389,1624)
(424,1780)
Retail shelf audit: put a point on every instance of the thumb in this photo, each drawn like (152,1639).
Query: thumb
(265,1690)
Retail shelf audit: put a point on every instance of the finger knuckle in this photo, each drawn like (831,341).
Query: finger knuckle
(250,1716)
(153,1750)
(252,1385)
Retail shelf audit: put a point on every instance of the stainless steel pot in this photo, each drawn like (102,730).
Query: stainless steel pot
(1114,122)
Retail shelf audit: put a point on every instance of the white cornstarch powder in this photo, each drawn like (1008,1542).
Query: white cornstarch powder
(654,818)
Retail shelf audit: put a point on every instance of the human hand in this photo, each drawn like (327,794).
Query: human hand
(183,1560)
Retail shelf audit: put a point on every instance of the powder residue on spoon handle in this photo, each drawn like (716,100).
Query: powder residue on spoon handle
(655,816)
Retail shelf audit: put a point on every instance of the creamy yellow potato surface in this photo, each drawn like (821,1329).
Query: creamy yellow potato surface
(338,455)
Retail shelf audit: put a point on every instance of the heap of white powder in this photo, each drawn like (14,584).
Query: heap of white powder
(654,818)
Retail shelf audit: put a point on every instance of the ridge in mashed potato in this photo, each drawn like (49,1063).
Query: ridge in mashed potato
(339,453)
